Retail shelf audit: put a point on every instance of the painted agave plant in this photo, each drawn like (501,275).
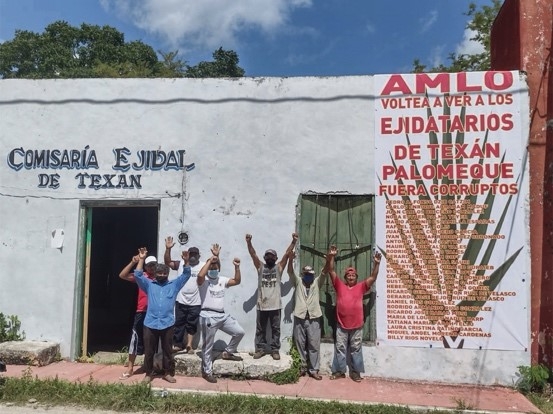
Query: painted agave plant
(449,281)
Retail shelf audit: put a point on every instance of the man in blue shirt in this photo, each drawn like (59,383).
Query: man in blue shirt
(160,319)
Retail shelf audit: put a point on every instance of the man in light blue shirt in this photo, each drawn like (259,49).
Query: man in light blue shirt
(160,319)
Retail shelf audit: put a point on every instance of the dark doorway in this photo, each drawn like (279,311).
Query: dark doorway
(116,233)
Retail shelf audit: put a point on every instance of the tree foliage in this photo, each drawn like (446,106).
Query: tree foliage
(225,63)
(91,51)
(480,24)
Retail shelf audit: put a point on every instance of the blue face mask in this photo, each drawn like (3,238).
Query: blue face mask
(308,277)
(212,274)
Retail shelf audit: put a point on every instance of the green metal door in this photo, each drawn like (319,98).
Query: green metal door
(347,222)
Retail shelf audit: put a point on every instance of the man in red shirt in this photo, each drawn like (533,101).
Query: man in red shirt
(349,316)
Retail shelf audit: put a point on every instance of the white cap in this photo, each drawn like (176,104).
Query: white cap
(150,259)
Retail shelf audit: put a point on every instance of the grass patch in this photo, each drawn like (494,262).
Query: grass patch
(140,398)
(542,401)
(292,374)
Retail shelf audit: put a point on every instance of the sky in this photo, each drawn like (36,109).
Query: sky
(273,37)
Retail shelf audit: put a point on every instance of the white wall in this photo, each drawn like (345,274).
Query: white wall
(257,144)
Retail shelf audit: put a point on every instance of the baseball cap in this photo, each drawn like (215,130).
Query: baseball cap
(194,250)
(150,259)
(350,270)
(271,251)
(308,269)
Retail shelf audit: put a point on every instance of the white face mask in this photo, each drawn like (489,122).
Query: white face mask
(212,274)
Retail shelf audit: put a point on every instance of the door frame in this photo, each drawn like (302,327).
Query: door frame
(79,345)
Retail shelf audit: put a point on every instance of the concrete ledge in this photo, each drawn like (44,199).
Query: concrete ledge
(29,352)
(191,365)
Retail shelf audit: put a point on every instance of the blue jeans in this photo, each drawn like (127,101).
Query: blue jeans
(348,339)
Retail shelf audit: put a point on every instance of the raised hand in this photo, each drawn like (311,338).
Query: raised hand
(236,261)
(185,256)
(215,249)
(248,237)
(142,253)
(377,257)
(169,243)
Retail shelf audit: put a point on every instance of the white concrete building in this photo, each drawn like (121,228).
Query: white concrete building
(94,169)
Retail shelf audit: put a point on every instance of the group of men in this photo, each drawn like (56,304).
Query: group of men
(170,311)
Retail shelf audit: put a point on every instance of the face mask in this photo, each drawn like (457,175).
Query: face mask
(161,279)
(193,260)
(270,262)
(212,274)
(308,278)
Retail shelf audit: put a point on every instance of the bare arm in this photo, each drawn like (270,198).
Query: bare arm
(289,250)
(372,278)
(329,265)
(169,243)
(126,273)
(256,262)
(237,274)
(142,282)
(290,268)
(203,271)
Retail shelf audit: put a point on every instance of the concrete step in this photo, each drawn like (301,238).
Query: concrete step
(34,353)
(191,365)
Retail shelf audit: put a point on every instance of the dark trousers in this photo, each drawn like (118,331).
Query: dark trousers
(186,322)
(264,318)
(151,339)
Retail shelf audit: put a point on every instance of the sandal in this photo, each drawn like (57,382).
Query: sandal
(337,375)
(356,376)
(125,376)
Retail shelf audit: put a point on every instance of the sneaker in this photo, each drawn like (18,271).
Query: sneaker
(209,378)
(170,379)
(258,354)
(355,376)
(231,357)
(275,355)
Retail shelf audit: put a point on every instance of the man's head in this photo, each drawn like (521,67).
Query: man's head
(193,256)
(213,271)
(270,257)
(350,276)
(150,265)
(162,272)
(307,275)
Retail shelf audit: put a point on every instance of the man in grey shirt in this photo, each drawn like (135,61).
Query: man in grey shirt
(269,302)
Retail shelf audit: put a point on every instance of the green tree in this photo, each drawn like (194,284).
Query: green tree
(225,64)
(481,24)
(91,51)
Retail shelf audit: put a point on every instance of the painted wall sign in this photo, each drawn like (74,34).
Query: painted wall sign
(86,159)
(449,166)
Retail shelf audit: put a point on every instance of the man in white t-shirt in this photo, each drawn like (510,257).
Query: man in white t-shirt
(213,316)
(187,306)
